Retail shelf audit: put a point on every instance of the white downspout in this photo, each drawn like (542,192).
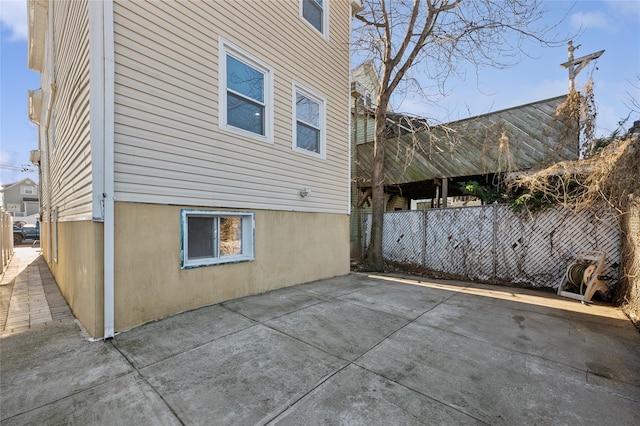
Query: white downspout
(108,195)
(101,93)
(47,133)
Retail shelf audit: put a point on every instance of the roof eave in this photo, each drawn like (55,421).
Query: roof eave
(356,6)
(35,105)
(38,14)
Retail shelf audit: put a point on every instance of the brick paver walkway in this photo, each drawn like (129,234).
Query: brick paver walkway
(29,295)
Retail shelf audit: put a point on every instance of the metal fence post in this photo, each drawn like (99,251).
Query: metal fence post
(494,242)
(363,231)
(424,238)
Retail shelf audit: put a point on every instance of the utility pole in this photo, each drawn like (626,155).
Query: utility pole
(576,65)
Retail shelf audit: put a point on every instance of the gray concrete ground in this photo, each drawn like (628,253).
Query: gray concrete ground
(359,349)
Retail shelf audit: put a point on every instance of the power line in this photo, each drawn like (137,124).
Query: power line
(22,168)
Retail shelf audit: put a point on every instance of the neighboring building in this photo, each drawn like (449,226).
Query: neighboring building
(365,83)
(424,165)
(364,87)
(430,163)
(191,152)
(21,199)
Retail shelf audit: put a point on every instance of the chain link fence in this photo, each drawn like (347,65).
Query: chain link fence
(494,244)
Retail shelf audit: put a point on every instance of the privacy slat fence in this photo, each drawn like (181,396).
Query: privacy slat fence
(6,239)
(494,244)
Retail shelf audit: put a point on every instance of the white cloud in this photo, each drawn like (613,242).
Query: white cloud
(13,17)
(629,9)
(6,156)
(612,14)
(584,20)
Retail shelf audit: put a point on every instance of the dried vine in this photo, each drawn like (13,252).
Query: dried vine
(609,177)
(579,109)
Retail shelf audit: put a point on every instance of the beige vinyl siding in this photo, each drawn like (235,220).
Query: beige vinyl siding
(43,138)
(69,172)
(168,148)
(365,126)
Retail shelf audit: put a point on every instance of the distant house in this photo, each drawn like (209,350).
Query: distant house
(364,86)
(21,198)
(191,152)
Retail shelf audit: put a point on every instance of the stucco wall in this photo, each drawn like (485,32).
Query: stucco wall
(290,248)
(78,269)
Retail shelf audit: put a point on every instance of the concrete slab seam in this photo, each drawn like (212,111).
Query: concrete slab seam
(422,393)
(354,362)
(71,395)
(269,319)
(144,379)
(320,383)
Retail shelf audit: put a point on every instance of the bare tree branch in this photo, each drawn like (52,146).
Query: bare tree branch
(435,36)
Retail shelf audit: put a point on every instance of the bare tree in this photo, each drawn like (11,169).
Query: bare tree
(633,100)
(435,37)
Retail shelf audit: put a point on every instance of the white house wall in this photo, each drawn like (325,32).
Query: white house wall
(168,147)
(67,158)
(43,143)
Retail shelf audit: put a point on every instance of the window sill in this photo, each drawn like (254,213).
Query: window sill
(213,262)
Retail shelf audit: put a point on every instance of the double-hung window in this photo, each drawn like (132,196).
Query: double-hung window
(246,104)
(27,190)
(316,13)
(309,122)
(214,237)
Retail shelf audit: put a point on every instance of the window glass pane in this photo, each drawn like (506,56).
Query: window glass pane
(200,237)
(307,110)
(312,12)
(243,79)
(244,114)
(230,236)
(213,238)
(307,138)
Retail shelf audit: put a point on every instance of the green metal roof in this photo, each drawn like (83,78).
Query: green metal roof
(513,139)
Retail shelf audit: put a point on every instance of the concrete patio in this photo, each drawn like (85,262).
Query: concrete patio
(359,349)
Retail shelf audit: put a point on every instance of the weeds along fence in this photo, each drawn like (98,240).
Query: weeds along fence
(496,245)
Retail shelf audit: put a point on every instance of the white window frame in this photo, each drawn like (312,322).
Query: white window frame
(226,48)
(23,190)
(308,93)
(368,101)
(248,238)
(325,18)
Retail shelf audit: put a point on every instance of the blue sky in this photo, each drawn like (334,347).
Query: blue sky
(613,25)
(610,25)
(17,134)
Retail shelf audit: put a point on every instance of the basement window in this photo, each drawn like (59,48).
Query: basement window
(216,237)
